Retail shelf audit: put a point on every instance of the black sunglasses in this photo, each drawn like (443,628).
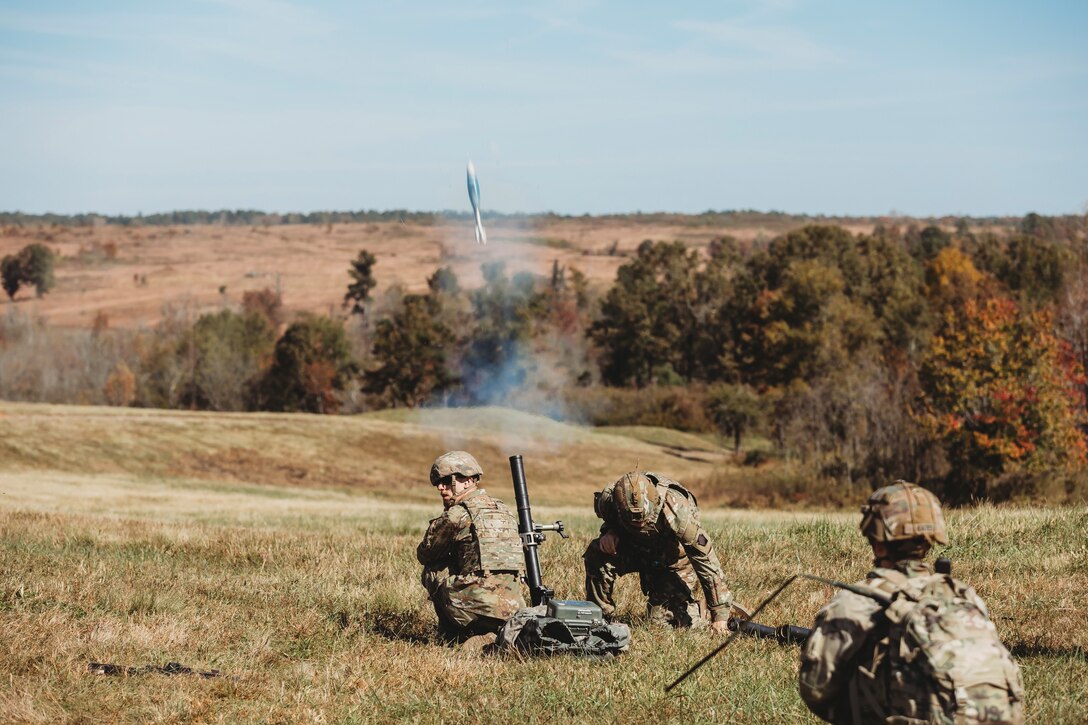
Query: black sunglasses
(448,480)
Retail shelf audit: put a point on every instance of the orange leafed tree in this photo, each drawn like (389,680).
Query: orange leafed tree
(120,386)
(1001,393)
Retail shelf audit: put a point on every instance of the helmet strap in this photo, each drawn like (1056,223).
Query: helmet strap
(466,487)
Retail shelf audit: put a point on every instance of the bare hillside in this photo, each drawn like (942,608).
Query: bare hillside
(386,454)
(123,276)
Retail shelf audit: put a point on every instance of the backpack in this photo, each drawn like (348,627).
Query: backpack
(945,662)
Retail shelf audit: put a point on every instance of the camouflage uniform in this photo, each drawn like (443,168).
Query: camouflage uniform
(671,552)
(856,663)
(473,598)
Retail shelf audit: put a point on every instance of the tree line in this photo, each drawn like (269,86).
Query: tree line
(228,217)
(949,356)
(248,217)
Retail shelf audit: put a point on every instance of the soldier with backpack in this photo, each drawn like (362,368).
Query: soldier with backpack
(651,526)
(928,655)
(471,554)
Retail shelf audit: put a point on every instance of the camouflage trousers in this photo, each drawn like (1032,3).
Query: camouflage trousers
(667,579)
(471,605)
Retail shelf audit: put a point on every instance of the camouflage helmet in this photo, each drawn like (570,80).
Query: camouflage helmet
(454,462)
(903,512)
(637,501)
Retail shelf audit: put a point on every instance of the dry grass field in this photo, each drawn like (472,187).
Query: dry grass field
(279,550)
(384,454)
(103,269)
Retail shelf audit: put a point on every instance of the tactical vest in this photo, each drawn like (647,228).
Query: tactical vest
(669,483)
(664,483)
(941,659)
(664,531)
(493,544)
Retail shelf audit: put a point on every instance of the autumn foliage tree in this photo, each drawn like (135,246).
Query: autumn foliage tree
(735,409)
(311,366)
(817,300)
(267,302)
(999,394)
(120,388)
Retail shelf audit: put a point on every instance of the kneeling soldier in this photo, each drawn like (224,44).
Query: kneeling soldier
(928,655)
(651,526)
(476,542)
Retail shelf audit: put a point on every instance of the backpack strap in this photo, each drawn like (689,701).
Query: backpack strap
(896,585)
(660,480)
(889,581)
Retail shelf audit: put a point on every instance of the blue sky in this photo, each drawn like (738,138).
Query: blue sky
(846,107)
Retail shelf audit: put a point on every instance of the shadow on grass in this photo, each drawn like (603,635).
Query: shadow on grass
(1034,649)
(401,627)
(692,455)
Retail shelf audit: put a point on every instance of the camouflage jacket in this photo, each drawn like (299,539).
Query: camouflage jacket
(677,526)
(843,676)
(476,536)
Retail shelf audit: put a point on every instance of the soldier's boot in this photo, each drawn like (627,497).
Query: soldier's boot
(659,615)
(676,614)
(479,643)
(450,630)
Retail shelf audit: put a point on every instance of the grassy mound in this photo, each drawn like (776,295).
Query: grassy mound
(386,453)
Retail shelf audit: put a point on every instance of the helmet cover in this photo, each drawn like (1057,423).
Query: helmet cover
(903,512)
(454,462)
(637,501)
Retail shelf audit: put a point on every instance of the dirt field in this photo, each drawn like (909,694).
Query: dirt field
(127,274)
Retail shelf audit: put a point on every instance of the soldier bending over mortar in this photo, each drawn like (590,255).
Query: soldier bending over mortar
(651,526)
